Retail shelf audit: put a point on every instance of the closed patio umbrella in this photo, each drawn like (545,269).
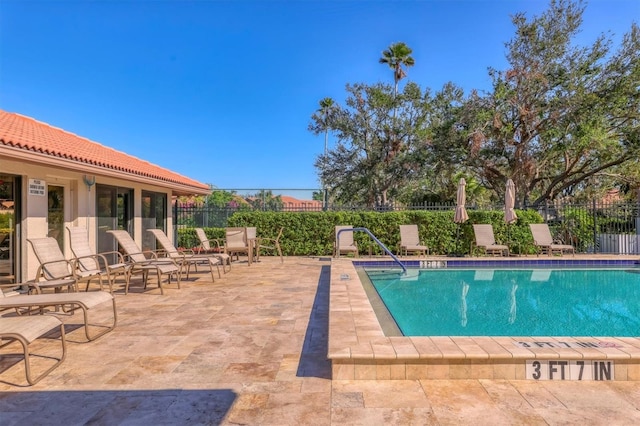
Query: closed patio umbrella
(461,215)
(509,202)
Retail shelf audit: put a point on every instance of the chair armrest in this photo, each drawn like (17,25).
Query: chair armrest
(219,244)
(96,257)
(214,239)
(268,243)
(157,254)
(151,254)
(42,270)
(119,255)
(102,260)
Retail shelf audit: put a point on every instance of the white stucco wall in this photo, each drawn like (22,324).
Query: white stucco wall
(79,207)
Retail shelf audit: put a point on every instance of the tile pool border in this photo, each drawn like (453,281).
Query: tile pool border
(489,262)
(359,350)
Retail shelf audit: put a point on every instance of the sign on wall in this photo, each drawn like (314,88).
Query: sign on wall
(37,187)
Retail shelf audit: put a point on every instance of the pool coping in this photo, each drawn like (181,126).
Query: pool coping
(359,350)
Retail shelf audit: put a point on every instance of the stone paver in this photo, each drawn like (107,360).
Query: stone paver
(251,348)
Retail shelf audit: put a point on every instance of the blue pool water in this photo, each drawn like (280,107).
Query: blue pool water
(512,302)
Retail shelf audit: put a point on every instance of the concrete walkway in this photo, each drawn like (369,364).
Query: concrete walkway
(251,349)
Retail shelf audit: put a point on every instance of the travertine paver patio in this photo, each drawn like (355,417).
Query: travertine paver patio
(251,348)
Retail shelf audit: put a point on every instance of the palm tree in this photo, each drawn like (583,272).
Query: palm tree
(326,107)
(397,56)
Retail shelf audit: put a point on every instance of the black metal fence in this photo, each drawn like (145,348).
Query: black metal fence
(217,216)
(593,227)
(596,227)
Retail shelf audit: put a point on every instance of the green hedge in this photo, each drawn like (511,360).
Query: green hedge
(312,233)
(5,219)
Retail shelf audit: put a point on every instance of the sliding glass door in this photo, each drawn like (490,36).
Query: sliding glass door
(9,227)
(114,210)
(154,215)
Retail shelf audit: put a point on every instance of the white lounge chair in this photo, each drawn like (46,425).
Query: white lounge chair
(186,259)
(485,240)
(55,271)
(218,251)
(90,261)
(410,241)
(344,242)
(270,244)
(83,301)
(236,243)
(141,263)
(544,242)
(25,330)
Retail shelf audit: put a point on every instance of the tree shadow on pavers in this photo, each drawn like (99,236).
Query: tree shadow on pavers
(313,360)
(148,407)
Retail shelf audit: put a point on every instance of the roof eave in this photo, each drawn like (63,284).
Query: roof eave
(77,166)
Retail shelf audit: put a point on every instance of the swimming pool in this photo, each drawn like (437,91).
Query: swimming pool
(512,302)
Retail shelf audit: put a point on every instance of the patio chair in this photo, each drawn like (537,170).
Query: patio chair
(410,241)
(30,303)
(485,240)
(218,250)
(140,263)
(186,259)
(55,271)
(25,330)
(236,243)
(344,243)
(272,244)
(545,243)
(90,261)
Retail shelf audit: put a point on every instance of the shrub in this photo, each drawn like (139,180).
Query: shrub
(312,233)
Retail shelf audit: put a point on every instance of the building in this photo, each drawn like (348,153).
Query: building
(51,179)
(291,204)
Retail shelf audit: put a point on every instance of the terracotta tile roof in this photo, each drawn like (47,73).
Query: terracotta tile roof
(29,135)
(294,204)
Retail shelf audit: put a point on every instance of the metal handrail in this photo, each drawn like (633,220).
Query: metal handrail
(373,237)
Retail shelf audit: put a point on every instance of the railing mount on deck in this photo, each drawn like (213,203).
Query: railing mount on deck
(377,241)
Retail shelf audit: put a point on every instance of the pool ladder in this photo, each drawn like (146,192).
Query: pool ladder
(376,240)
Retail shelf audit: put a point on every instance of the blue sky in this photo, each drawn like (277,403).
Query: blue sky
(223,91)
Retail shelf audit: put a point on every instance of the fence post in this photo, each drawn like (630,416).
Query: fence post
(175,223)
(546,211)
(326,200)
(595,227)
